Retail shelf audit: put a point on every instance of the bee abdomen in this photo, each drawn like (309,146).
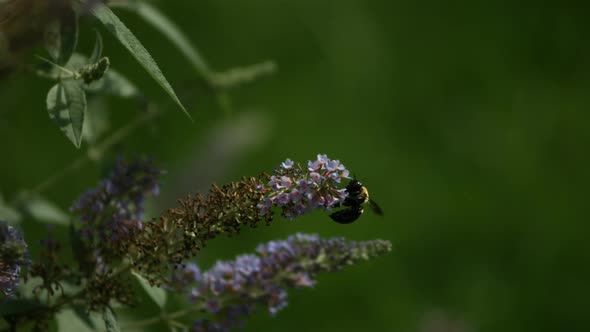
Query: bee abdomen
(347,215)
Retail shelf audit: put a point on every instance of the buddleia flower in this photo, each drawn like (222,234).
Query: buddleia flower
(112,224)
(298,190)
(112,213)
(182,232)
(230,290)
(13,256)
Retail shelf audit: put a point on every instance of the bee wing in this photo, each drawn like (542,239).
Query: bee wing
(375,207)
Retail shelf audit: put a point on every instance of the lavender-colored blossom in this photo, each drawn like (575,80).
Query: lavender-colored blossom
(287,164)
(296,196)
(304,186)
(275,183)
(316,177)
(333,165)
(112,212)
(286,181)
(283,198)
(323,158)
(13,256)
(184,276)
(313,166)
(230,290)
(314,187)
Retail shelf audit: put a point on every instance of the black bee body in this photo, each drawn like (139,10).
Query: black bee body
(357,196)
(347,215)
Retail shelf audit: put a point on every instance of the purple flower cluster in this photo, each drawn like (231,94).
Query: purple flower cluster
(297,190)
(13,255)
(112,212)
(185,276)
(231,289)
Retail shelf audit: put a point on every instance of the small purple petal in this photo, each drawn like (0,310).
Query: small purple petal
(333,165)
(287,164)
(316,177)
(286,181)
(322,158)
(345,174)
(314,166)
(283,199)
(296,195)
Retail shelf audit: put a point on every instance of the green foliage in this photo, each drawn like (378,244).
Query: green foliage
(20,306)
(134,46)
(45,211)
(97,50)
(157,294)
(61,36)
(76,319)
(110,320)
(467,122)
(66,104)
(115,84)
(168,28)
(8,212)
(96,122)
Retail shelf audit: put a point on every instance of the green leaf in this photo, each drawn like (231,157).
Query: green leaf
(110,320)
(19,306)
(112,83)
(66,104)
(167,27)
(83,316)
(9,213)
(115,84)
(96,121)
(134,46)
(77,61)
(97,50)
(45,211)
(157,294)
(76,319)
(79,250)
(61,36)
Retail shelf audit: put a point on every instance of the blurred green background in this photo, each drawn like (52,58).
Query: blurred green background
(468,122)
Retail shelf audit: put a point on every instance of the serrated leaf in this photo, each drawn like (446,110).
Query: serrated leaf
(66,104)
(97,50)
(45,211)
(134,46)
(157,294)
(61,36)
(158,20)
(110,320)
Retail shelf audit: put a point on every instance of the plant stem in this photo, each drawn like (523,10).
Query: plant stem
(70,73)
(164,317)
(96,152)
(66,300)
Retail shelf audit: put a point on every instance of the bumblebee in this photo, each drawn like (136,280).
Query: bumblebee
(357,196)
